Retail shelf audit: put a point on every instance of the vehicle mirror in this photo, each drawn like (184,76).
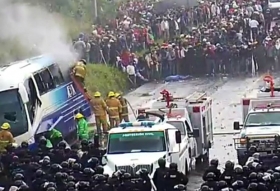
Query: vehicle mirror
(196,133)
(178,137)
(236,125)
(104,160)
(23,93)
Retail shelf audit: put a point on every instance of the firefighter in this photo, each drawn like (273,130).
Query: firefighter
(82,127)
(124,103)
(6,137)
(114,109)
(79,72)
(54,136)
(99,109)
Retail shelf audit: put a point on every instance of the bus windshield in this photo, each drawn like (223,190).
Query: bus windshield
(12,111)
(132,142)
(263,119)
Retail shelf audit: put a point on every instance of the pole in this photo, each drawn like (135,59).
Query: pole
(94,8)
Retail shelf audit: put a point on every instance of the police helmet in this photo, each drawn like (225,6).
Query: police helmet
(42,141)
(270,171)
(100,178)
(58,176)
(24,144)
(210,176)
(238,184)
(71,179)
(179,187)
(229,165)
(93,161)
(253,176)
(276,175)
(46,163)
(64,176)
(84,143)
(62,145)
(260,176)
(64,164)
(82,184)
(173,166)
(252,186)
(77,166)
(51,189)
(50,184)
(143,171)
(55,168)
(161,162)
(126,176)
(205,188)
(88,171)
(245,168)
(214,162)
(18,176)
(222,184)
(39,173)
(99,169)
(238,169)
(70,184)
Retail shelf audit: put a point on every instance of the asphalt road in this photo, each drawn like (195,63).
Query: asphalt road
(226,94)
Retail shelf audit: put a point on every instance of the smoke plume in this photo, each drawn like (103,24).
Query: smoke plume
(34,28)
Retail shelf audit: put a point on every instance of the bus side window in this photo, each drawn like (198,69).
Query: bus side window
(44,81)
(30,89)
(39,83)
(56,74)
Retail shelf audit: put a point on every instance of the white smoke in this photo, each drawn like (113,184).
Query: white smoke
(34,28)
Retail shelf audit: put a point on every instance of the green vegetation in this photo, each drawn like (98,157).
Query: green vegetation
(103,78)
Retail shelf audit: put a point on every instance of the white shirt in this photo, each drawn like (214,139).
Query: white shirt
(130,70)
(253,24)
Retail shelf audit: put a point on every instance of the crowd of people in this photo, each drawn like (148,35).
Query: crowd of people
(78,168)
(154,40)
(253,176)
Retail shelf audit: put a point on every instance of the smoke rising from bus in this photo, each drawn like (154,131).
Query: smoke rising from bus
(34,28)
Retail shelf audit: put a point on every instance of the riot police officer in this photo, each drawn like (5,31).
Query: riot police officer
(173,177)
(213,168)
(160,174)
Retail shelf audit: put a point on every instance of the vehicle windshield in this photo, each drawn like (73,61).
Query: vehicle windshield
(12,111)
(133,142)
(263,119)
(179,125)
(274,1)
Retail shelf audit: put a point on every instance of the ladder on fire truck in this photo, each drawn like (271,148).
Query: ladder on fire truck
(197,97)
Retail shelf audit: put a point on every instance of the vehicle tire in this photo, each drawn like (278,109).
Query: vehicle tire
(186,167)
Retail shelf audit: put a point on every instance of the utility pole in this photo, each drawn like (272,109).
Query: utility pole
(94,8)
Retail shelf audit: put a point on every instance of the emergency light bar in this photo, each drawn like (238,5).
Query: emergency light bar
(268,106)
(148,124)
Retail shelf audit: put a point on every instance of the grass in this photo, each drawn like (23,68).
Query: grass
(103,78)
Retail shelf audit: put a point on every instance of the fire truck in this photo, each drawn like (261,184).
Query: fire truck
(261,124)
(192,116)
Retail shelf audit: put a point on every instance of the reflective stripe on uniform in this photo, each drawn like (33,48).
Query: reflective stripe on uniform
(113,108)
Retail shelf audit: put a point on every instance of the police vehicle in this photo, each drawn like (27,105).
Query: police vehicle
(38,95)
(261,124)
(137,145)
(193,114)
